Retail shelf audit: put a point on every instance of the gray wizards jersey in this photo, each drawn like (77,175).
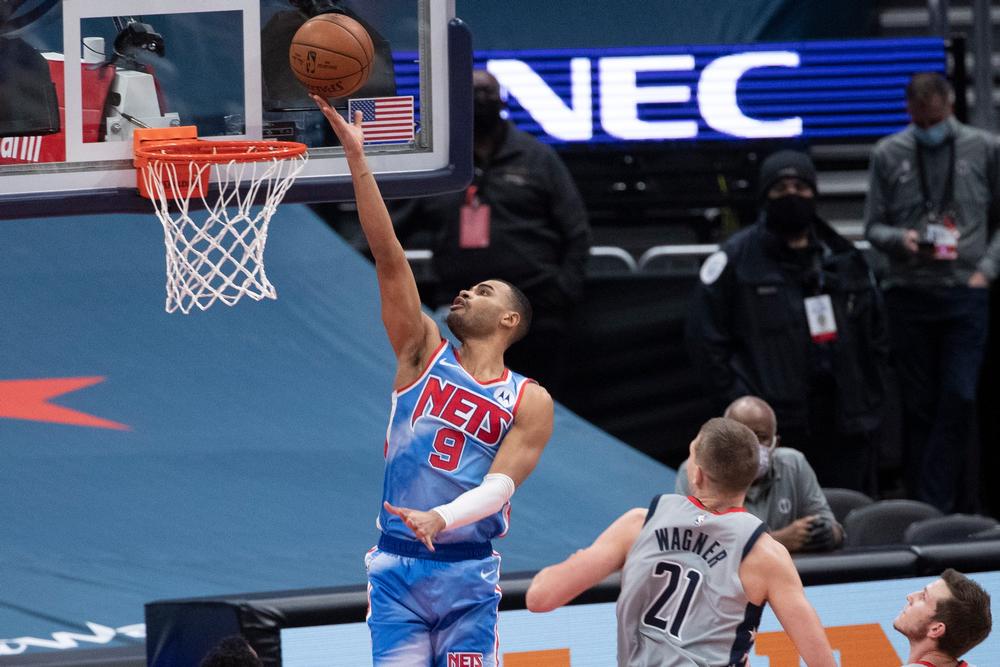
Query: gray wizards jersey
(682,603)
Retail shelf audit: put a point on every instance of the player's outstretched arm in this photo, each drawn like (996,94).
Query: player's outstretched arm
(772,565)
(413,335)
(557,584)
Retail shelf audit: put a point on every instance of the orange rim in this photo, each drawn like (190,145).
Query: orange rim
(210,152)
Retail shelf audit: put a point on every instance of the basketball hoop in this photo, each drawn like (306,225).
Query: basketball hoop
(214,254)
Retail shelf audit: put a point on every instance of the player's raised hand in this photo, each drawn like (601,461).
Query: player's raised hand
(425,525)
(351,135)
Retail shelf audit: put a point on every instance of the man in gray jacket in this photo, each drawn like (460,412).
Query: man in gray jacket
(930,187)
(785,495)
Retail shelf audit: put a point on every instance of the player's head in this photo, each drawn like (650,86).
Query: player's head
(724,458)
(951,615)
(490,308)
(234,651)
(757,415)
(929,99)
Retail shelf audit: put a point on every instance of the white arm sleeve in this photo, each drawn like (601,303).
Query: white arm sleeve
(486,499)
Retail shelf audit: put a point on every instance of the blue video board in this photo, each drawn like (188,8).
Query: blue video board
(808,90)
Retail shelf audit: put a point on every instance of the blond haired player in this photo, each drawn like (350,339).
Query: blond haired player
(696,570)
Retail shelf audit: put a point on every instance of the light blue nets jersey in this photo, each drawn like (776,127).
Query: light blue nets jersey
(444,431)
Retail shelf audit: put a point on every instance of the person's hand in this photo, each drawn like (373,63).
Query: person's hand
(978,280)
(823,535)
(425,525)
(351,136)
(795,535)
(911,241)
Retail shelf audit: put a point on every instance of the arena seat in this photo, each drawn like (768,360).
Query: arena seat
(884,522)
(988,534)
(842,501)
(947,529)
(610,260)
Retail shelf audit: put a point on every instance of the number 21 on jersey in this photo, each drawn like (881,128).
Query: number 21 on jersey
(663,615)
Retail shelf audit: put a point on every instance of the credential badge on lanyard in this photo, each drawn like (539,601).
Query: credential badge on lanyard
(822,323)
(942,226)
(944,235)
(474,221)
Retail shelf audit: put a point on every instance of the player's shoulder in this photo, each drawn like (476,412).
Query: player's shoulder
(635,516)
(769,555)
(534,400)
(535,391)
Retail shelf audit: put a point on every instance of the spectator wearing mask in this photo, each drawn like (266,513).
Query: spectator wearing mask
(788,310)
(785,495)
(521,220)
(929,192)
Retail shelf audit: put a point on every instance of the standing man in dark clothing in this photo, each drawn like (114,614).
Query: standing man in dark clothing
(788,310)
(521,220)
(929,194)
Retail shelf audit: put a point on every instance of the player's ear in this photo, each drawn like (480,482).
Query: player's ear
(697,476)
(510,320)
(936,629)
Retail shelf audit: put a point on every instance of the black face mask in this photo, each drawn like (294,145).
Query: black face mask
(486,115)
(791,215)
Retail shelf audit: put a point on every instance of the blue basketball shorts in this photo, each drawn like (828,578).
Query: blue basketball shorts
(431,613)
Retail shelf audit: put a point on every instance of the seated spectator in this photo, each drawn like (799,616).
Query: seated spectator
(945,620)
(234,651)
(785,495)
(788,310)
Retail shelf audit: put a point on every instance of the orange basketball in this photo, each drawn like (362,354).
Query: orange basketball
(331,54)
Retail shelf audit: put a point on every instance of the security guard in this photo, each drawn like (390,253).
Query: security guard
(788,310)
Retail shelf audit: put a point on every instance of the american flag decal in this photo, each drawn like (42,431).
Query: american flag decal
(384,119)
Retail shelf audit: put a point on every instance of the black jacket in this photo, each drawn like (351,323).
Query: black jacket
(748,334)
(539,232)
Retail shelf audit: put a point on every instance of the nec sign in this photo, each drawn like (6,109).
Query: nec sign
(735,92)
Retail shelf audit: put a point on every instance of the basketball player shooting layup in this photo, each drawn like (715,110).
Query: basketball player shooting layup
(464,431)
(696,570)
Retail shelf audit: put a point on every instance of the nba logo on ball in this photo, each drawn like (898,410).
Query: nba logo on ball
(465,660)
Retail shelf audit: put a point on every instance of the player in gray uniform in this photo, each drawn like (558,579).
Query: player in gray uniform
(696,570)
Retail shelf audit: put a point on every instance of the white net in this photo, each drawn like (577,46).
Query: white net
(216,253)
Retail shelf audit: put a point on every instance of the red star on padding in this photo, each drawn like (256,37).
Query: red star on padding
(29,399)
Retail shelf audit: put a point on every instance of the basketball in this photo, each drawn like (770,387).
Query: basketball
(331,54)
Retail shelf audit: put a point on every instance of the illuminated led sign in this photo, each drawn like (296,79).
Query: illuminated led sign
(813,90)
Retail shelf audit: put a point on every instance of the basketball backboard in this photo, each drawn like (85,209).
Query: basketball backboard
(94,70)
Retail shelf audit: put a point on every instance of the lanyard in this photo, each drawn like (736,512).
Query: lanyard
(818,268)
(949,184)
